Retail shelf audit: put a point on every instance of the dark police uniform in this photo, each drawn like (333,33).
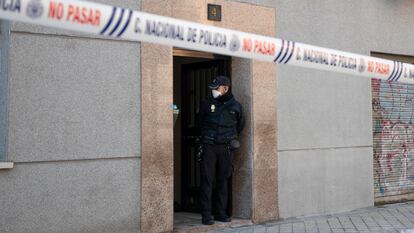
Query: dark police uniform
(221,121)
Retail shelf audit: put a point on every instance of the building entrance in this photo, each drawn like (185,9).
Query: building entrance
(193,71)
(255,177)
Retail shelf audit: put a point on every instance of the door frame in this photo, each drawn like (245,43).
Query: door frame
(178,52)
(254,84)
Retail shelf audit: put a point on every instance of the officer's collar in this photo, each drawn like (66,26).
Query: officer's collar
(225,98)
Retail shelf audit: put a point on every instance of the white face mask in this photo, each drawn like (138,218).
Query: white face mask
(215,93)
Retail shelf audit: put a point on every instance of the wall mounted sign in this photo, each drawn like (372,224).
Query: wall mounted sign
(214,12)
(116,22)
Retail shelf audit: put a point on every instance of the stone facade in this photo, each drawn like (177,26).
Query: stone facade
(87,119)
(73,132)
(251,182)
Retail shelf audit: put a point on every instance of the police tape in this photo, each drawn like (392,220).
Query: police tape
(117,22)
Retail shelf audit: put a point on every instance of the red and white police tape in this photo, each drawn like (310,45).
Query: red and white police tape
(116,22)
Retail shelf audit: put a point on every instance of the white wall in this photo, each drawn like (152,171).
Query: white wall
(74,133)
(324,119)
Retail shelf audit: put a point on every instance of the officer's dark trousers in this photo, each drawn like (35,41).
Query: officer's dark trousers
(216,163)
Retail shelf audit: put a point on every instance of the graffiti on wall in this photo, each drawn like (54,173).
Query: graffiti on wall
(393,126)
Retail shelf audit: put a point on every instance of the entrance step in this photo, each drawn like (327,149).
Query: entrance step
(191,223)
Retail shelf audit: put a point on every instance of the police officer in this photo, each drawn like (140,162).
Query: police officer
(221,121)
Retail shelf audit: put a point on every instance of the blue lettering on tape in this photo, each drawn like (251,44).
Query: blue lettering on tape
(10,5)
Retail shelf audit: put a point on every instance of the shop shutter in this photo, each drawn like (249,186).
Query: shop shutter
(393,126)
(393,134)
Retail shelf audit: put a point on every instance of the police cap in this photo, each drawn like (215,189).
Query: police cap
(219,81)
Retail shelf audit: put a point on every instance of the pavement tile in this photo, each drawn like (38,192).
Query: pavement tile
(259,229)
(285,228)
(386,219)
(272,229)
(334,223)
(249,230)
(351,231)
(298,227)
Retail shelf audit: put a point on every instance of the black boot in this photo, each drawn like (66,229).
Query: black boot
(223,218)
(207,221)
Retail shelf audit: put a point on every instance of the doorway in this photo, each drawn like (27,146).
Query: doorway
(193,71)
(255,177)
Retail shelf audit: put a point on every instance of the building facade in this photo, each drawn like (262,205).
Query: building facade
(88,123)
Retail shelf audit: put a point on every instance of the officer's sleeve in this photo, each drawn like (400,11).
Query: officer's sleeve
(241,120)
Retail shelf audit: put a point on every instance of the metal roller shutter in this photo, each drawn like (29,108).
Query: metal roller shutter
(393,131)
(393,126)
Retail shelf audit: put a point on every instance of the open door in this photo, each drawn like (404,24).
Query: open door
(195,76)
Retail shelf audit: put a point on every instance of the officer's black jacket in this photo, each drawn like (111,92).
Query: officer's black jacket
(220,119)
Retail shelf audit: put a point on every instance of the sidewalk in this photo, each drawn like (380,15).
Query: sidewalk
(390,218)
